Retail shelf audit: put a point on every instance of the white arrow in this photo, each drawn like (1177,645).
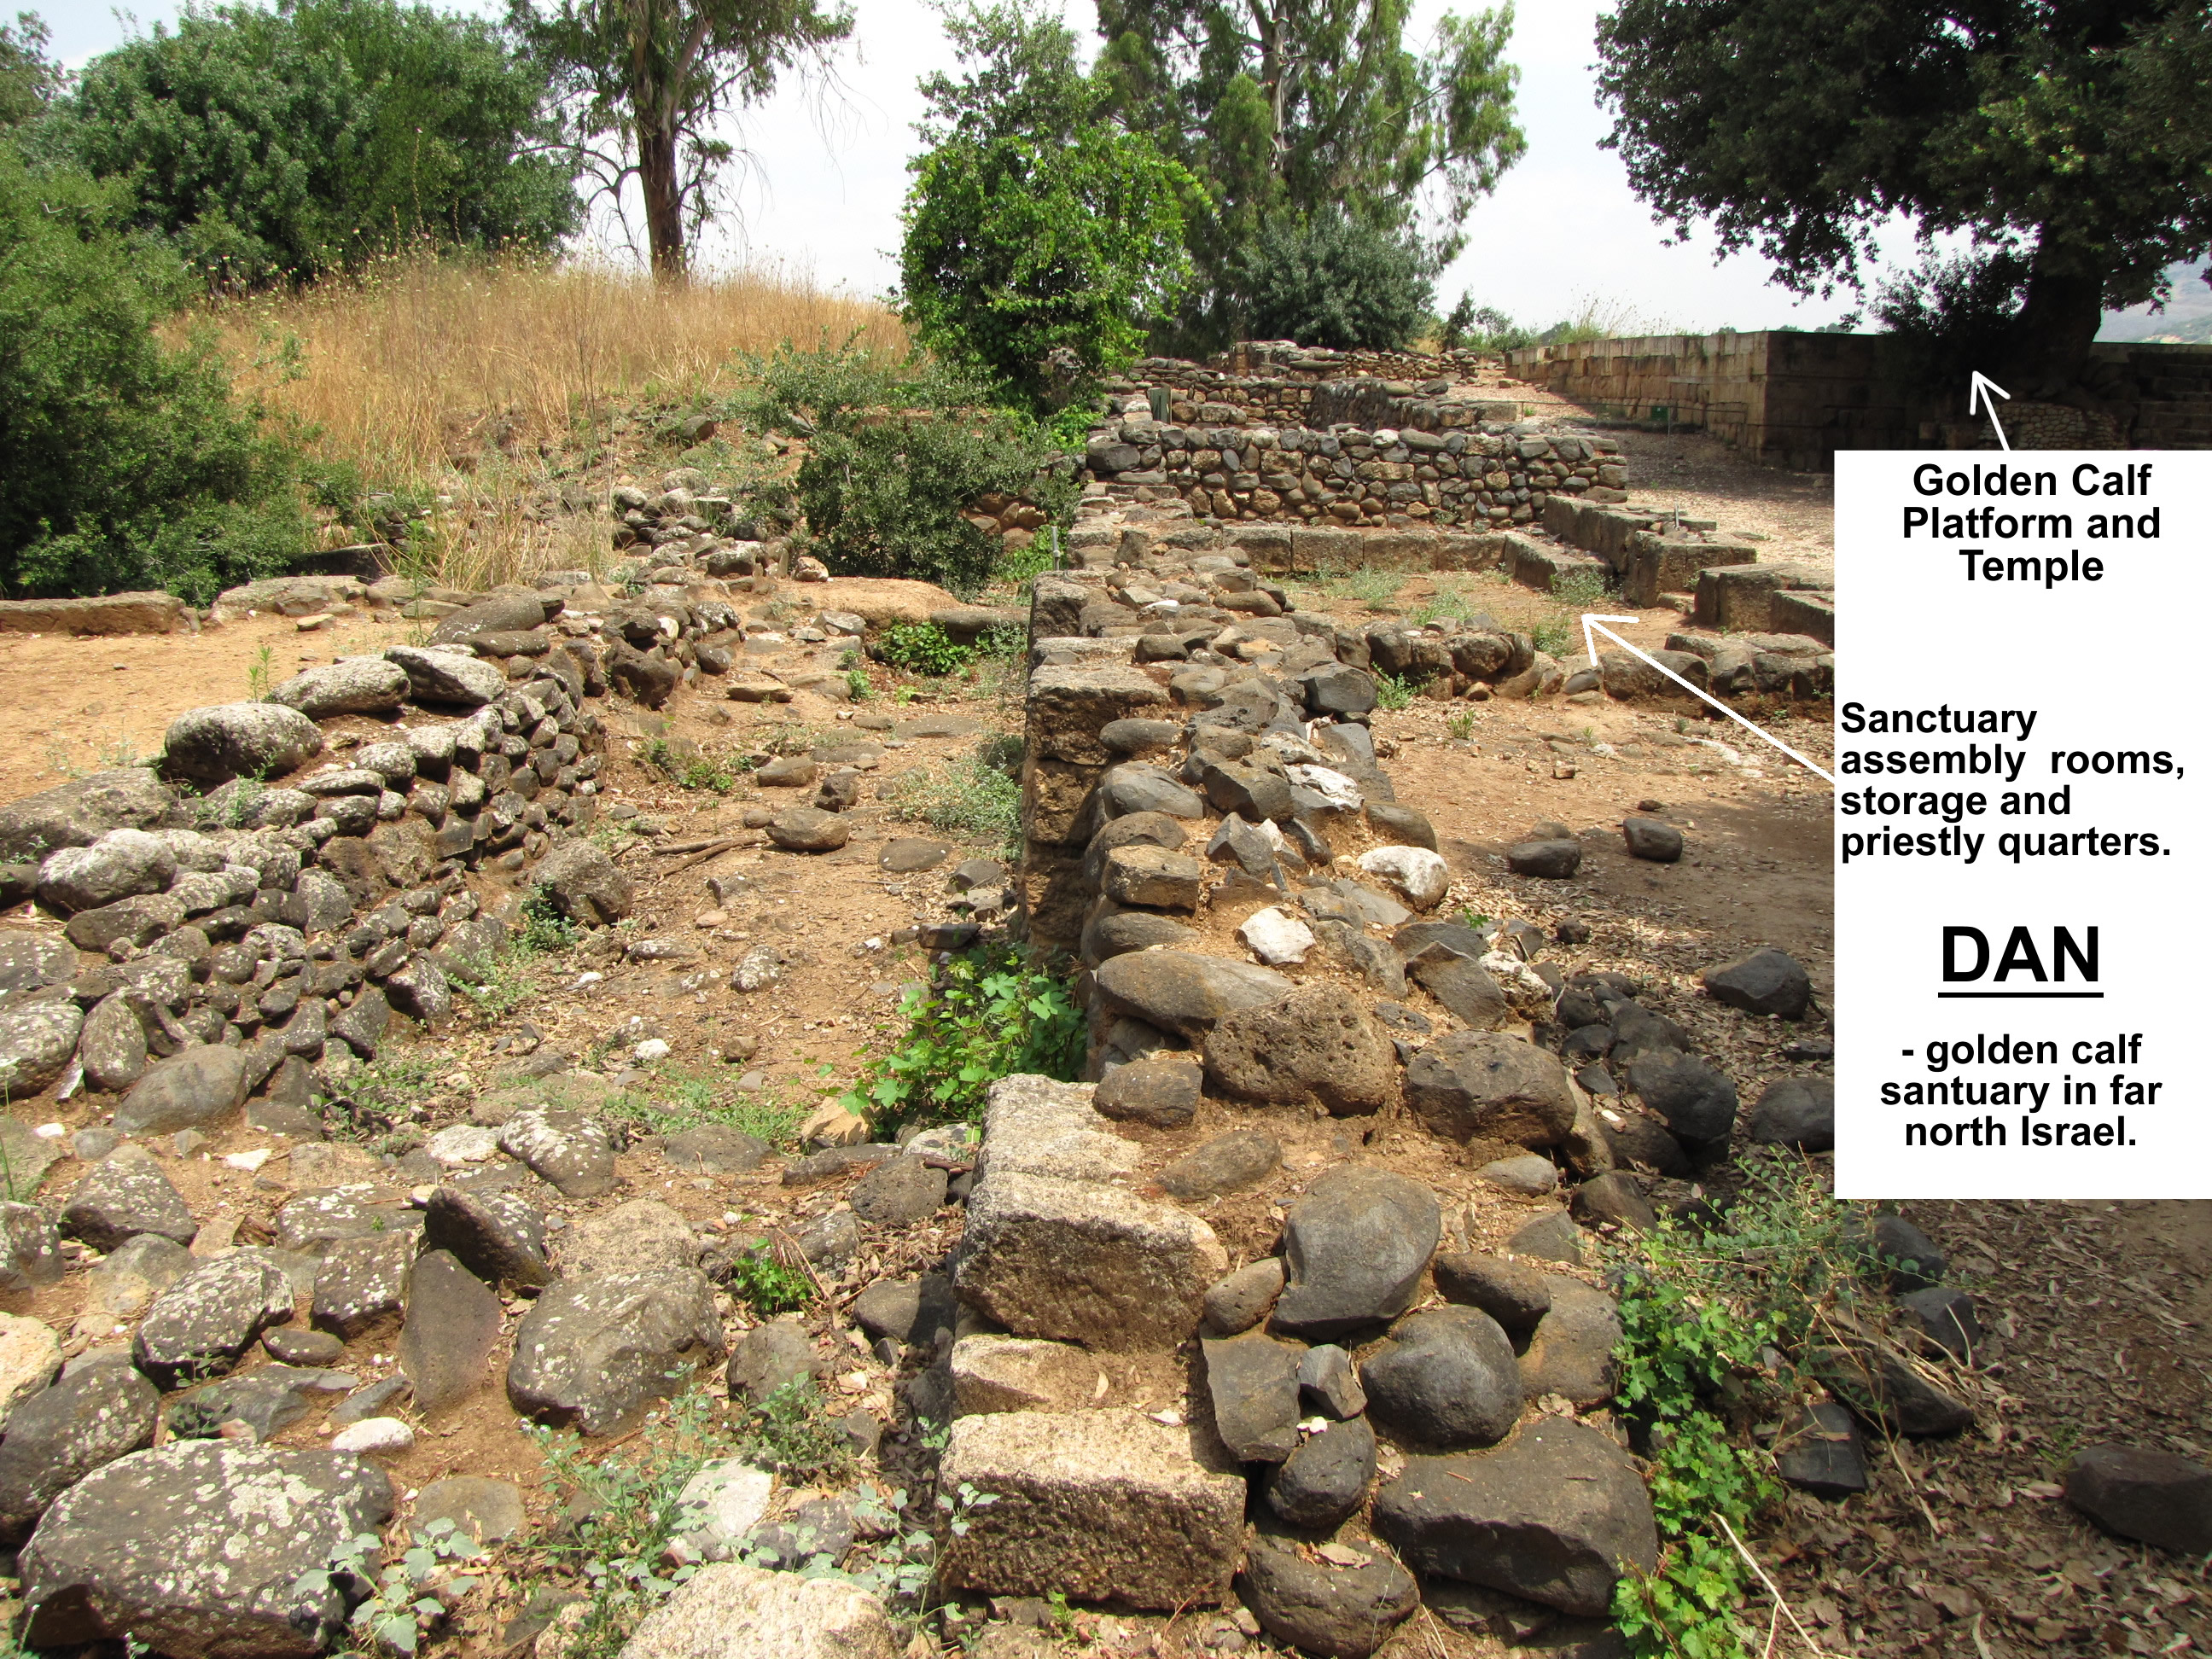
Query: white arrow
(1979,399)
(1593,623)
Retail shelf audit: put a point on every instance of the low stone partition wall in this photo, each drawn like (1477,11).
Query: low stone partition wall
(1469,473)
(246,918)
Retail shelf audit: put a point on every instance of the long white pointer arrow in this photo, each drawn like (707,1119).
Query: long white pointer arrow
(1982,394)
(1595,624)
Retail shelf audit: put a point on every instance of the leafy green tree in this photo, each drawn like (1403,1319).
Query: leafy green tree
(2073,134)
(645,81)
(1041,239)
(280,144)
(29,78)
(1331,281)
(1293,111)
(129,464)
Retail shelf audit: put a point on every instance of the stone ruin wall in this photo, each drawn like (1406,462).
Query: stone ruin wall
(1319,438)
(1794,399)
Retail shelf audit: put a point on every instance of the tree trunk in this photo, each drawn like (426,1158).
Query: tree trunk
(2058,321)
(664,205)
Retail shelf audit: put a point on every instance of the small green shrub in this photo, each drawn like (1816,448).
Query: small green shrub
(1394,692)
(1698,1310)
(1332,281)
(397,1611)
(792,1432)
(1578,588)
(975,796)
(768,1286)
(923,648)
(897,453)
(990,1012)
(130,464)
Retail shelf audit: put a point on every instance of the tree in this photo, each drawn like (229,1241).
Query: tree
(1297,108)
(29,78)
(654,75)
(1330,281)
(2071,133)
(278,144)
(1036,231)
(129,464)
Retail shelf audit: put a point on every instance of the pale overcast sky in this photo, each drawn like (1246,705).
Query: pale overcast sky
(1564,231)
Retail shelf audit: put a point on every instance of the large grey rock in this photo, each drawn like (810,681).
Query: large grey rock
(351,685)
(498,1236)
(124,1283)
(1161,1091)
(1486,1083)
(209,746)
(457,677)
(113,1045)
(1446,1378)
(594,1354)
(81,812)
(1253,1383)
(1179,992)
(899,1192)
(1326,1478)
(38,1036)
(1085,1261)
(772,1355)
(201,1324)
(452,1325)
(124,1196)
(1797,1112)
(88,1418)
(582,882)
(30,1248)
(193,1088)
(1517,1297)
(1336,1611)
(1314,1045)
(1764,982)
(1226,1163)
(1697,1101)
(265,1399)
(30,1359)
(1355,1246)
(120,864)
(562,1148)
(202,1549)
(993,1373)
(2153,1497)
(362,1284)
(730,1611)
(1245,1298)
(31,962)
(1093,1504)
(1570,1355)
(1553,1515)
(910,1310)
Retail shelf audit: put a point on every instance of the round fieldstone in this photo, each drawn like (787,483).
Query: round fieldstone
(1446,1377)
(1326,1479)
(1161,1091)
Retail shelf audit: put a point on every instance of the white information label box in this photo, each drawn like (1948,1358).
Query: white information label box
(2020,886)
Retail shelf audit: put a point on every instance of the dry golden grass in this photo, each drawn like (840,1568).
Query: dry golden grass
(419,371)
(418,361)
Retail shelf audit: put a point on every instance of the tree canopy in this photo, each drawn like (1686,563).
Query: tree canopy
(29,78)
(281,144)
(128,463)
(1293,109)
(643,82)
(1036,230)
(2072,134)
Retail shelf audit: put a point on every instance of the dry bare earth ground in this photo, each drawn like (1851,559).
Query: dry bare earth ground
(1959,1549)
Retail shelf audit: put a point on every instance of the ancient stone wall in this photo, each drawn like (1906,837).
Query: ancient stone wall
(1794,399)
(290,876)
